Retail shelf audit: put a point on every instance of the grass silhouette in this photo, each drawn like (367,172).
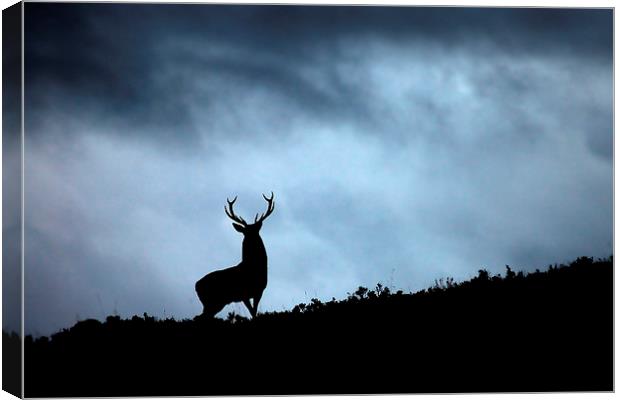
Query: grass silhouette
(541,331)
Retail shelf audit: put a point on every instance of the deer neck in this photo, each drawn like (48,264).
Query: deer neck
(253,252)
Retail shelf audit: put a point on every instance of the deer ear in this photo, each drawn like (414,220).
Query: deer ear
(238,228)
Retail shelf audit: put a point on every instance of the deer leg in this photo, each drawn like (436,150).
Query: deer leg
(248,305)
(256,301)
(210,309)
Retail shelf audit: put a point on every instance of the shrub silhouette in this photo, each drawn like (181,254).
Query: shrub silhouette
(542,331)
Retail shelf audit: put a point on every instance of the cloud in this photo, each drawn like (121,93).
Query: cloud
(130,75)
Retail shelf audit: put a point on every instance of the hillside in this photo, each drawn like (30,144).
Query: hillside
(542,331)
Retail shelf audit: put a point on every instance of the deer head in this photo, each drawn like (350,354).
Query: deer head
(248,279)
(239,223)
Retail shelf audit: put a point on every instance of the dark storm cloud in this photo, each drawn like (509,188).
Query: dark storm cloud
(110,59)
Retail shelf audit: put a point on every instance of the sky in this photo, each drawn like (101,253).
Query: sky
(402,144)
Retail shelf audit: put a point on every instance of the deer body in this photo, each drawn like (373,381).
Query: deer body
(246,280)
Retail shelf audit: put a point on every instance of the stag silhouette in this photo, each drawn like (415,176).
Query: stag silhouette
(246,280)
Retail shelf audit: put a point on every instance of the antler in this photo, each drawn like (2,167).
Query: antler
(270,207)
(231,214)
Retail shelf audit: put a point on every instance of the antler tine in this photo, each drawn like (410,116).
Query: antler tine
(231,214)
(270,207)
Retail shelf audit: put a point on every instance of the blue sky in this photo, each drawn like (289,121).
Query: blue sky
(403,145)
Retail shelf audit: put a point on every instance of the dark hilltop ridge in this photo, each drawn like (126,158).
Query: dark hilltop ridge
(543,331)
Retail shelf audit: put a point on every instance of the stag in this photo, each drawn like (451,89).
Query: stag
(246,280)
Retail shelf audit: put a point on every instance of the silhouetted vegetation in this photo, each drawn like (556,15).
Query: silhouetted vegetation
(540,331)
